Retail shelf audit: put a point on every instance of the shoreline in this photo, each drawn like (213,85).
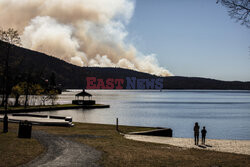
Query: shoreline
(51,108)
(118,150)
(220,145)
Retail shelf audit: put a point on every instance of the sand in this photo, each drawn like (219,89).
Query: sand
(230,146)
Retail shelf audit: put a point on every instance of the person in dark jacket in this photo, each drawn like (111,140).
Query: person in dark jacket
(203,134)
(196,133)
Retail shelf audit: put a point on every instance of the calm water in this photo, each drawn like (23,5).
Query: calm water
(226,114)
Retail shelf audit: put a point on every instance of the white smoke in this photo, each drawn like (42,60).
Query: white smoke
(82,32)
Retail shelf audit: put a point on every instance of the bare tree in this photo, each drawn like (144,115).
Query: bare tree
(10,37)
(238,9)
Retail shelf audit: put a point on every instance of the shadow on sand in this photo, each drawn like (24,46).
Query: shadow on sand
(204,146)
(201,146)
(208,145)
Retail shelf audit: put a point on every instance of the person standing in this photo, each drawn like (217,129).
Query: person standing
(196,133)
(203,134)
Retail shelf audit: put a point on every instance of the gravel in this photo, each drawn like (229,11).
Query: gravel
(61,151)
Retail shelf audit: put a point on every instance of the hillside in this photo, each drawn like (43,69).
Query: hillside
(70,76)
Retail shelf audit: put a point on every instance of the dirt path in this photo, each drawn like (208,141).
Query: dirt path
(231,146)
(61,151)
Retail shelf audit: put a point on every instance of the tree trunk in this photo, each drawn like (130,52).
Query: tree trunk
(26,100)
(3,92)
(16,101)
(2,102)
(27,92)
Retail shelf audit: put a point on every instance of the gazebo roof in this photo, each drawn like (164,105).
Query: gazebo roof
(83,93)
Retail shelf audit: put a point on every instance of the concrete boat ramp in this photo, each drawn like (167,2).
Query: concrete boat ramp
(36,119)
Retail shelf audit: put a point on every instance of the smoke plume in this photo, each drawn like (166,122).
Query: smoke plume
(81,32)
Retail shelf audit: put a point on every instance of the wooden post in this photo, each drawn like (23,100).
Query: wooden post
(117,124)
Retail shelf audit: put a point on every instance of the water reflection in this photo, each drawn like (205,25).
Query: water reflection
(226,114)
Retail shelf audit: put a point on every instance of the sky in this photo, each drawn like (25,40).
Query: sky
(194,38)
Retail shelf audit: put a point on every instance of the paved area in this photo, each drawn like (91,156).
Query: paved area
(63,152)
(231,146)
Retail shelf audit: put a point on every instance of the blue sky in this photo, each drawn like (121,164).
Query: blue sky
(193,38)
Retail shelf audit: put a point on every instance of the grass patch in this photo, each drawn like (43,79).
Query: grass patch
(15,151)
(118,151)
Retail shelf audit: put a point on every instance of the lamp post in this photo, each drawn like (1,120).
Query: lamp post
(10,37)
(5,119)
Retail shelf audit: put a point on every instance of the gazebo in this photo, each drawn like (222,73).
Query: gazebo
(83,102)
(83,94)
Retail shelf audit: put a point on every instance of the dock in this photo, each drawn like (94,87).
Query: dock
(43,120)
(165,132)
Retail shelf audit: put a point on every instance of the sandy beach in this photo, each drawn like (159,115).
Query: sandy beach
(230,146)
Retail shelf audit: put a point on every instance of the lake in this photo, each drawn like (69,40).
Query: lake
(226,114)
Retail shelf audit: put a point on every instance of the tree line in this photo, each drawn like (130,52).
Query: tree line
(30,86)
